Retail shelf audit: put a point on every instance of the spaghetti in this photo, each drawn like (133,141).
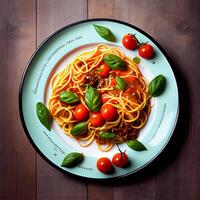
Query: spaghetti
(132,105)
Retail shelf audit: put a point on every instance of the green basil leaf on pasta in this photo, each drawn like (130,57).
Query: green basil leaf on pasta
(68,97)
(72,159)
(92,99)
(121,83)
(43,115)
(136,145)
(157,85)
(107,135)
(114,62)
(79,129)
(136,59)
(105,33)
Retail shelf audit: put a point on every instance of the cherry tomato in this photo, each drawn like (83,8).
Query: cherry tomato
(131,94)
(130,79)
(146,51)
(108,112)
(104,70)
(81,112)
(104,98)
(119,72)
(129,91)
(97,119)
(113,82)
(104,165)
(120,159)
(129,41)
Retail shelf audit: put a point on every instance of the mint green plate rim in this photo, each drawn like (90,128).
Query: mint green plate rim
(22,84)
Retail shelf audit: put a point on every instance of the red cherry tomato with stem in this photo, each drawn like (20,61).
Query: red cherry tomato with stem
(104,165)
(109,112)
(97,119)
(146,51)
(81,112)
(103,70)
(120,159)
(130,41)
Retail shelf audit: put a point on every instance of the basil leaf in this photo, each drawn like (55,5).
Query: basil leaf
(136,145)
(99,70)
(79,129)
(72,159)
(86,85)
(105,33)
(68,97)
(92,99)
(157,85)
(43,115)
(136,59)
(107,135)
(121,83)
(114,62)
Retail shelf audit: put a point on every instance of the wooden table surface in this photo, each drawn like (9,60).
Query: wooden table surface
(175,25)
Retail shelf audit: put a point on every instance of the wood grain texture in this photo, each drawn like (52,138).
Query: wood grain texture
(101,191)
(18,158)
(52,15)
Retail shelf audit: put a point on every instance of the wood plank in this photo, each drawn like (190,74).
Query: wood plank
(182,174)
(18,158)
(174,24)
(52,15)
(99,191)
